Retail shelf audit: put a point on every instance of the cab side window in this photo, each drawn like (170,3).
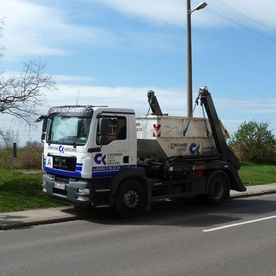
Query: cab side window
(115,129)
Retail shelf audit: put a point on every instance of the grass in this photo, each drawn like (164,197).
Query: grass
(254,174)
(20,190)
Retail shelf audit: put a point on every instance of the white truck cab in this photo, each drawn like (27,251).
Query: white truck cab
(76,152)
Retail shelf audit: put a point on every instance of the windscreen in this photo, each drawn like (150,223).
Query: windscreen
(69,130)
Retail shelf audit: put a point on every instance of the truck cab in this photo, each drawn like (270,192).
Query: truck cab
(84,145)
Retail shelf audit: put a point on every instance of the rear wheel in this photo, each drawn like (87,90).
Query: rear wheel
(218,187)
(130,198)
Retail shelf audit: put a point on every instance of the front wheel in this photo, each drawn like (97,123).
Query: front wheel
(130,198)
(218,187)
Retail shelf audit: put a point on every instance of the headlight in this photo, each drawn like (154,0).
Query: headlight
(83,191)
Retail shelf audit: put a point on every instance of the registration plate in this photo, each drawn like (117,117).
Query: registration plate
(60,186)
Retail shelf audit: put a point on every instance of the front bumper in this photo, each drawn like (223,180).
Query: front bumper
(79,191)
(76,191)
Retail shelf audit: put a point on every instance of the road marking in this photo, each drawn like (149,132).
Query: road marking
(237,224)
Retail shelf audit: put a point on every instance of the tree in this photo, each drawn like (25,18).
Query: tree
(7,138)
(20,95)
(253,141)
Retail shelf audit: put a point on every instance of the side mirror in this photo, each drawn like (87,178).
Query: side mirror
(44,124)
(43,136)
(44,128)
(44,120)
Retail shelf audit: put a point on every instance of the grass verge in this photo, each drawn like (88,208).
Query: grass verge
(254,174)
(21,190)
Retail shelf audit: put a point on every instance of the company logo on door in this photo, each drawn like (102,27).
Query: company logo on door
(100,159)
(110,159)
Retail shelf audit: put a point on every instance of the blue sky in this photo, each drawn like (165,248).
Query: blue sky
(110,52)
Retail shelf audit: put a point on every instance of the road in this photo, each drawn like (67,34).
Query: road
(175,238)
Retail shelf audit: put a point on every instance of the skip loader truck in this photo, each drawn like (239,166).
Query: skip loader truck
(106,157)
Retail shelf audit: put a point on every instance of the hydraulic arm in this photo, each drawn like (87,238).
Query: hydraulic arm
(223,149)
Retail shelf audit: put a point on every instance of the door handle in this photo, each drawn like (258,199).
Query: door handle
(126,159)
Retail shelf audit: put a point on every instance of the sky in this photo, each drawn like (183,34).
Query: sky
(111,52)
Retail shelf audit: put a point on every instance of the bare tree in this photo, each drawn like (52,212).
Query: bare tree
(20,95)
(7,138)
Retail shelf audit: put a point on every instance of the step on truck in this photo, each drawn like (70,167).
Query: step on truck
(106,157)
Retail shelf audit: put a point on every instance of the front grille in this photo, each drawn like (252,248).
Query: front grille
(64,163)
(61,179)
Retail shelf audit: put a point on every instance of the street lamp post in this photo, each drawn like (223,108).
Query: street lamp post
(189,56)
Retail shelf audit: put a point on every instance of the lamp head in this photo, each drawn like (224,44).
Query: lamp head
(200,6)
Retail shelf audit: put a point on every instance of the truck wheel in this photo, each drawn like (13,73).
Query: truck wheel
(217,187)
(130,199)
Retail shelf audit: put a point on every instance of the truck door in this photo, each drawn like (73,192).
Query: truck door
(112,137)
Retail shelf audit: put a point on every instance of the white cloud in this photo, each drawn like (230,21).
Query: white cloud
(170,12)
(127,97)
(173,101)
(46,31)
(72,79)
(33,30)
(24,28)
(260,10)
(173,12)
(161,11)
(248,106)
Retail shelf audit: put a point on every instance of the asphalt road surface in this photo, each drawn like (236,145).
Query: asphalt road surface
(176,238)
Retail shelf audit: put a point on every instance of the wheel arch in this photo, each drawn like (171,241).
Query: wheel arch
(137,174)
(215,172)
(212,175)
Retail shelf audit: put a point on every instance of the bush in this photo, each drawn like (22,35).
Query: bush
(253,141)
(6,160)
(28,157)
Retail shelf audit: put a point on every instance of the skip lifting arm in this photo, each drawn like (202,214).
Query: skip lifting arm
(223,149)
(154,105)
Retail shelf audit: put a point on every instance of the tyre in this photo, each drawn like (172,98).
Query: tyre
(130,198)
(218,187)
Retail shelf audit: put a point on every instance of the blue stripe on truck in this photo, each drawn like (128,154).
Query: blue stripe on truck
(65,173)
(76,173)
(108,171)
